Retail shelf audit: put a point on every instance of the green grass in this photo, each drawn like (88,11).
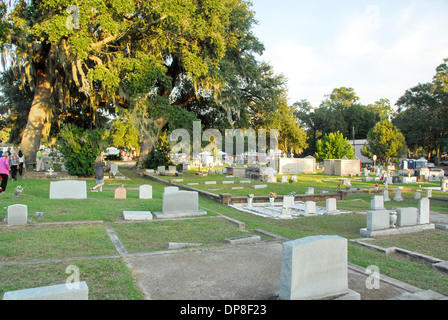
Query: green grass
(110,279)
(51,243)
(400,268)
(147,237)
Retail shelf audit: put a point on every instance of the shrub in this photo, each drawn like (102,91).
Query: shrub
(80,148)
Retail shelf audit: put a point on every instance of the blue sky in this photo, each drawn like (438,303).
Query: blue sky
(379,48)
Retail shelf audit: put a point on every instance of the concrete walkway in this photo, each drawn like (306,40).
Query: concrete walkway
(250,272)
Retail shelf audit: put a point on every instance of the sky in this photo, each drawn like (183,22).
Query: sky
(378,48)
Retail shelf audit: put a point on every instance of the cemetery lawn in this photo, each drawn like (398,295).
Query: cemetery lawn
(73,232)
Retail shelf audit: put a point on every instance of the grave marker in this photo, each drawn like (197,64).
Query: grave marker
(120,193)
(315,268)
(69,189)
(407,217)
(17,215)
(424,211)
(145,192)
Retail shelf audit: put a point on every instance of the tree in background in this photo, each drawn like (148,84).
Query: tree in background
(334,146)
(159,156)
(124,133)
(386,142)
(105,55)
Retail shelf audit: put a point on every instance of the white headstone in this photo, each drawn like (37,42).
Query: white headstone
(294,179)
(114,168)
(331,206)
(161,169)
(424,211)
(17,215)
(417,195)
(171,190)
(310,207)
(137,215)
(314,268)
(377,203)
(284,179)
(398,197)
(309,191)
(428,193)
(145,192)
(386,195)
(69,189)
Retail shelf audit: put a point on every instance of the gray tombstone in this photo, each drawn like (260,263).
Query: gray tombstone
(180,204)
(315,268)
(407,217)
(424,211)
(398,197)
(378,220)
(17,215)
(309,191)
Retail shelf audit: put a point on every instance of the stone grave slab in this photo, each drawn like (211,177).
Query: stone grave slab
(17,215)
(68,189)
(315,268)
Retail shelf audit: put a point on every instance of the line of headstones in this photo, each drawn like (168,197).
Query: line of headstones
(379,218)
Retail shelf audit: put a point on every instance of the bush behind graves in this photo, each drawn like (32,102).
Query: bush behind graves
(80,148)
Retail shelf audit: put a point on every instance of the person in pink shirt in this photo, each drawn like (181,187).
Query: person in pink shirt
(4,171)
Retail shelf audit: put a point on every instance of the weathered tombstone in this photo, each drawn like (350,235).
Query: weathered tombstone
(171,190)
(114,168)
(120,193)
(210,182)
(378,220)
(315,268)
(310,207)
(172,169)
(68,189)
(17,215)
(288,203)
(428,193)
(284,179)
(417,195)
(259,186)
(161,169)
(424,211)
(309,191)
(377,203)
(72,291)
(346,182)
(180,204)
(145,192)
(398,197)
(137,216)
(386,195)
(331,206)
(407,217)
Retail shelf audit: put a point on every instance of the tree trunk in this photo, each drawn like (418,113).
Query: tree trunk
(150,138)
(32,135)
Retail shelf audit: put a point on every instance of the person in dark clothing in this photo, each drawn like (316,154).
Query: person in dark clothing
(99,174)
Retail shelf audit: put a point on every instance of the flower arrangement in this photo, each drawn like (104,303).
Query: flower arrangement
(250,196)
(272,195)
(292,194)
(377,185)
(19,189)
